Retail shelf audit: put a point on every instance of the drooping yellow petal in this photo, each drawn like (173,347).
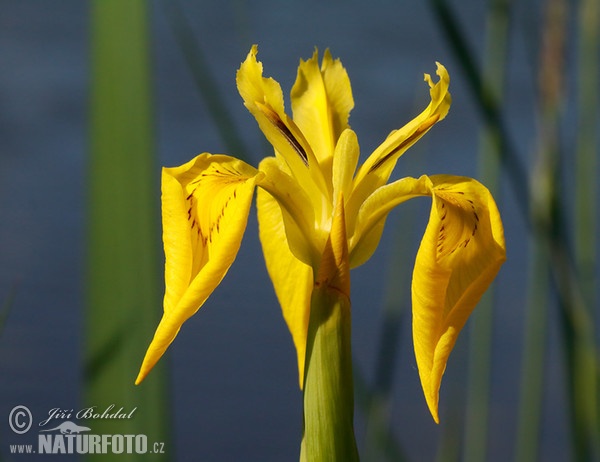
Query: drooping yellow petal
(292,279)
(460,253)
(321,104)
(205,206)
(459,256)
(377,169)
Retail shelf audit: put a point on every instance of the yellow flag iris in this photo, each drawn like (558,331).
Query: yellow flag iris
(205,206)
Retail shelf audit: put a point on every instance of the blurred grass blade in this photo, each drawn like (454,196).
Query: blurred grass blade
(577,316)
(586,212)
(369,402)
(123,285)
(205,82)
(544,192)
(534,358)
(586,187)
(481,325)
(484,98)
(380,443)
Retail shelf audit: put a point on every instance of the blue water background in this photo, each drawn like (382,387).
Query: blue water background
(234,380)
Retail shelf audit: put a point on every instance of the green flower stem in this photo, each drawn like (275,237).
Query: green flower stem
(328,386)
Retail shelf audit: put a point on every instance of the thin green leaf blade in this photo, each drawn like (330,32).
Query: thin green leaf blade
(123,296)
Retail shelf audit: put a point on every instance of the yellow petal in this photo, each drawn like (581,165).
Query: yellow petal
(205,206)
(377,169)
(365,229)
(292,279)
(460,253)
(333,274)
(339,92)
(345,159)
(304,239)
(459,256)
(321,104)
(264,99)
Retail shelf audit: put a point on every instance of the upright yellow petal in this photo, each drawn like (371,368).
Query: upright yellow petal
(321,104)
(459,256)
(264,99)
(339,93)
(292,279)
(205,206)
(345,160)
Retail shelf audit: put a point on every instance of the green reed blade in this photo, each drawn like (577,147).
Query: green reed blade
(481,325)
(586,187)
(544,187)
(586,209)
(483,97)
(380,443)
(123,285)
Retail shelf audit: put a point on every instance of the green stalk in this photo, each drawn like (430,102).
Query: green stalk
(481,328)
(328,386)
(328,389)
(123,300)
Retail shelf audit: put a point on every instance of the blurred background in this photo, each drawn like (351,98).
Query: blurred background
(96,96)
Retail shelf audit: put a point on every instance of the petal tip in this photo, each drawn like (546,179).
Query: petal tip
(433,404)
(140,378)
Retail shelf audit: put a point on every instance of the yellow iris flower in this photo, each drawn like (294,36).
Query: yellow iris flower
(312,178)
